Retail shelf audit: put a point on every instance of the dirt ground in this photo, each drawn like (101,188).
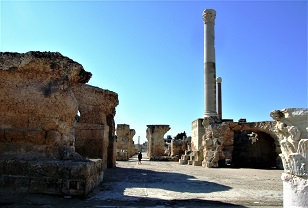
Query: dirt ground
(168,184)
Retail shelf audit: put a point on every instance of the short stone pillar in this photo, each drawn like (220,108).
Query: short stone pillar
(197,131)
(124,141)
(292,129)
(155,136)
(93,131)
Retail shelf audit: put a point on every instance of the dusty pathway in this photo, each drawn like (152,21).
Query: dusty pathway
(168,184)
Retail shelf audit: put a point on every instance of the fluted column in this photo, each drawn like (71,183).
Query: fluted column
(209,16)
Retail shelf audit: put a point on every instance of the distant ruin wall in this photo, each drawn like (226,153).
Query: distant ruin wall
(231,141)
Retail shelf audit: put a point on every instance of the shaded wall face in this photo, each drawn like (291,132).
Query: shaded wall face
(258,154)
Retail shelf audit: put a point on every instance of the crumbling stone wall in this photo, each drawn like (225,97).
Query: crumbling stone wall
(92,130)
(218,141)
(38,105)
(37,134)
(179,146)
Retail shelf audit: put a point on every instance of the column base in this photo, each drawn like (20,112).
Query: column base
(210,114)
(294,191)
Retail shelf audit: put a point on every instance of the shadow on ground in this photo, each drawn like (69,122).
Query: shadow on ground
(117,181)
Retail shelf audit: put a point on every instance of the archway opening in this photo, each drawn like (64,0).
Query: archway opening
(253,153)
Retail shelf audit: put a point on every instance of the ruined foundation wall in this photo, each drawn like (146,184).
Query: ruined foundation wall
(37,134)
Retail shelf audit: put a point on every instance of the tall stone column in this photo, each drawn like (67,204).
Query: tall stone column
(292,130)
(155,136)
(219,97)
(209,16)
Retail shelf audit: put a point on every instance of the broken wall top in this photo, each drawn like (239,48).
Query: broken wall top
(48,63)
(94,101)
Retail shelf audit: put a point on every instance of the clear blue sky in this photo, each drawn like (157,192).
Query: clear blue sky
(151,53)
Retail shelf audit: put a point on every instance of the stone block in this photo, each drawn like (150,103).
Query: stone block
(190,162)
(15,136)
(35,137)
(2,137)
(41,169)
(60,177)
(53,138)
(12,122)
(197,163)
(183,162)
(16,167)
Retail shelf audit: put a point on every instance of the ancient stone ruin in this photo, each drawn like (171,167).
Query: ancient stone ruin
(234,144)
(291,127)
(96,124)
(41,93)
(156,144)
(125,147)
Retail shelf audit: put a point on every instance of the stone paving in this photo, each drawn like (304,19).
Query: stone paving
(168,184)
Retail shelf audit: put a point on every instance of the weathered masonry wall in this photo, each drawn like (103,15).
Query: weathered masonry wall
(37,126)
(93,134)
(236,144)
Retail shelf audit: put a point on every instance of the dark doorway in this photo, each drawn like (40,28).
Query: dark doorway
(249,154)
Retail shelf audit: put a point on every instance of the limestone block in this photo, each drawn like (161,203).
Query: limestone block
(197,163)
(183,162)
(53,138)
(2,137)
(35,137)
(15,135)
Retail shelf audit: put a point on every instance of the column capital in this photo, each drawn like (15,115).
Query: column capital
(209,15)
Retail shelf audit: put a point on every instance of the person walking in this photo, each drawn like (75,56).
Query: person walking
(139,158)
